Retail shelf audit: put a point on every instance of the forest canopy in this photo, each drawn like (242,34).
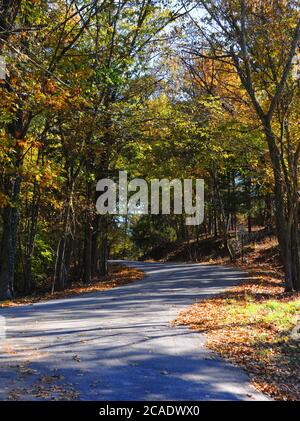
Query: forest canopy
(162,89)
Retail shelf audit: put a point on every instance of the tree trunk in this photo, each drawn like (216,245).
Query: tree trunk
(285,225)
(295,256)
(249,205)
(224,220)
(88,233)
(87,253)
(94,245)
(29,247)
(103,258)
(8,245)
(63,253)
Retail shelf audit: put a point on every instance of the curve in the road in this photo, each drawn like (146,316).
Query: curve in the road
(120,345)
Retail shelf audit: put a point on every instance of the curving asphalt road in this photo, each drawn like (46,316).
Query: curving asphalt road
(119,344)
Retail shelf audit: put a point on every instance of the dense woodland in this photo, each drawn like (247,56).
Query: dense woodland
(166,89)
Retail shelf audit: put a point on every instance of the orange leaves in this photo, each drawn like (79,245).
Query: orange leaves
(3,200)
(50,87)
(28,142)
(22,144)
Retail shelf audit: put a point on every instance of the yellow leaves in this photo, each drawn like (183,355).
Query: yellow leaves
(3,200)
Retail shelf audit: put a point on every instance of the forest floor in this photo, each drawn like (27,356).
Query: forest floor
(256,324)
(118,275)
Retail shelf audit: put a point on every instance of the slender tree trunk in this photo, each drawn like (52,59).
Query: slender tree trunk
(34,211)
(103,252)
(225,221)
(95,248)
(88,233)
(8,245)
(61,270)
(249,205)
(88,252)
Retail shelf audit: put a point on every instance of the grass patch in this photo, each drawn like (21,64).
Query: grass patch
(284,316)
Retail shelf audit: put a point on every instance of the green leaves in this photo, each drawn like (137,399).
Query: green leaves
(112,76)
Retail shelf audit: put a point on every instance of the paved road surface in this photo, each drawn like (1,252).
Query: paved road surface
(119,344)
